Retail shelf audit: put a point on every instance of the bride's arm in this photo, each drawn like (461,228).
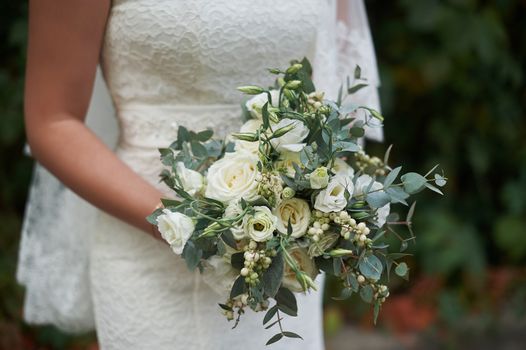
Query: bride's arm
(65,38)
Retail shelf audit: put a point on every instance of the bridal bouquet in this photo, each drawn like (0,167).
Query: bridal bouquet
(261,213)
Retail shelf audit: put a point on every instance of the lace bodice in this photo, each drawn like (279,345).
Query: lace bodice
(199,51)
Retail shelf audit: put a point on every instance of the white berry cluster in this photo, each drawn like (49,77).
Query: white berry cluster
(359,232)
(320,224)
(381,292)
(315,99)
(270,187)
(364,161)
(239,303)
(256,262)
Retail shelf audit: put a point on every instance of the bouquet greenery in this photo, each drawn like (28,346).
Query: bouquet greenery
(292,194)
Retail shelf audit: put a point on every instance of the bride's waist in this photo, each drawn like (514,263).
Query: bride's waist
(156,126)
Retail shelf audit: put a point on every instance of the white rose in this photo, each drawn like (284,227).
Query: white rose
(256,103)
(231,211)
(319,178)
(305,264)
(297,211)
(191,180)
(293,140)
(286,161)
(176,228)
(233,177)
(382,214)
(341,168)
(219,274)
(261,225)
(332,198)
(251,126)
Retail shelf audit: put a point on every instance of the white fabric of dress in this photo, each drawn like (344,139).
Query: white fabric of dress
(169,63)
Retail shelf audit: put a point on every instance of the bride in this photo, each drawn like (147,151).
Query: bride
(88,257)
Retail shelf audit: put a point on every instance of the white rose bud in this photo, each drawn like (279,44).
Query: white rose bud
(261,225)
(305,264)
(341,168)
(256,103)
(251,126)
(332,198)
(175,228)
(293,140)
(319,178)
(191,180)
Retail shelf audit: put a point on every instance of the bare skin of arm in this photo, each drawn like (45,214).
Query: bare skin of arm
(65,37)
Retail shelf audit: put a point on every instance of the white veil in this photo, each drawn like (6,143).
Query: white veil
(53,261)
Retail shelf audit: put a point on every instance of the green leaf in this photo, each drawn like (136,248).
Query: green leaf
(205,135)
(238,288)
(357,132)
(401,269)
(265,116)
(357,72)
(270,313)
(273,275)
(356,88)
(237,260)
(228,238)
(291,335)
(192,255)
(413,182)
(274,339)
(286,301)
(371,267)
(376,311)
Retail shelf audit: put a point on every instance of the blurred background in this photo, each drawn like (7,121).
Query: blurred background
(453,93)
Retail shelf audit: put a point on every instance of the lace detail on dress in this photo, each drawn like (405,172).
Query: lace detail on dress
(202,50)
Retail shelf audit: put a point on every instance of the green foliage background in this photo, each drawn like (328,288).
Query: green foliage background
(453,93)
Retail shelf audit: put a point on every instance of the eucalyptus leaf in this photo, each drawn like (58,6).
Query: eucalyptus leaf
(401,269)
(366,293)
(413,182)
(371,267)
(397,194)
(391,177)
(378,199)
(440,180)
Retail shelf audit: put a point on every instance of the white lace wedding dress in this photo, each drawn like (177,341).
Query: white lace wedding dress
(169,63)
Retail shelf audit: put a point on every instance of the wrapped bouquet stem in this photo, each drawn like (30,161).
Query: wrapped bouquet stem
(292,195)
